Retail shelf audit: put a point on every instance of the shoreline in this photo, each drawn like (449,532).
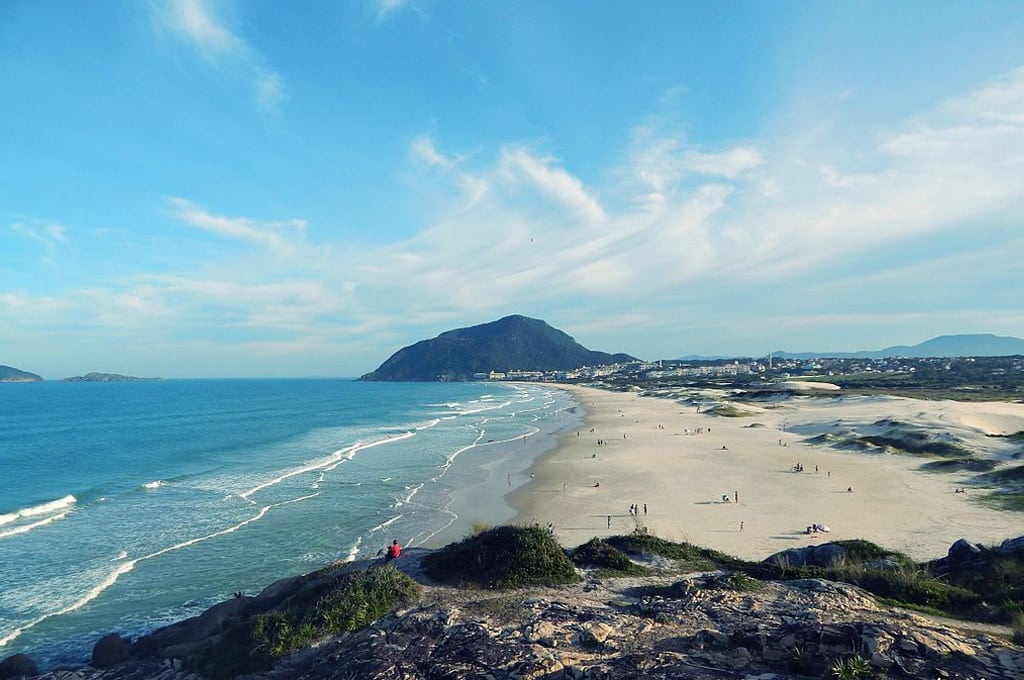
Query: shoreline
(486,501)
(728,483)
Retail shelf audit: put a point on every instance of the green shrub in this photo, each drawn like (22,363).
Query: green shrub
(851,668)
(347,603)
(597,553)
(503,557)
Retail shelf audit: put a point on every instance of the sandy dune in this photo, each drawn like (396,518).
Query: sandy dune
(690,467)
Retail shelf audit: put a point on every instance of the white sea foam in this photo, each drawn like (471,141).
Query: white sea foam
(154,484)
(385,525)
(126,567)
(25,528)
(413,491)
(354,550)
(41,509)
(326,464)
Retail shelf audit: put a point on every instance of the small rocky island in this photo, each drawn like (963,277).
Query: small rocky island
(510,603)
(108,377)
(9,374)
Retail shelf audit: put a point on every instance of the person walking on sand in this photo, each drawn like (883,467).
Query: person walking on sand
(609,521)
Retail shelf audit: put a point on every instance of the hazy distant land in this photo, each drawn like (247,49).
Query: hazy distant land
(107,377)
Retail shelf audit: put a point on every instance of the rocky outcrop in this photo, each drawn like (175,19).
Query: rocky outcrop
(17,666)
(697,626)
(824,555)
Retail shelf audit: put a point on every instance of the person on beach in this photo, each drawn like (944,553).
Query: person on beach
(394,551)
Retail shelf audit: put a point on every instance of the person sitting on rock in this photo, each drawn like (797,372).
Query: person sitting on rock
(394,550)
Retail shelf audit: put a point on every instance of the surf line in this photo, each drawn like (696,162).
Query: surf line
(122,569)
(25,528)
(333,461)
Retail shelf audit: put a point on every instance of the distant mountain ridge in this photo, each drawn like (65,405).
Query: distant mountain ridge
(942,346)
(965,345)
(11,374)
(513,343)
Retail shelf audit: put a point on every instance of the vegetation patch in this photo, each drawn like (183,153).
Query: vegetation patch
(1013,474)
(959,465)
(989,589)
(503,557)
(689,556)
(347,603)
(612,562)
(729,411)
(917,444)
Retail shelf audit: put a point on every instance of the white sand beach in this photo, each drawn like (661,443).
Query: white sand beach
(729,483)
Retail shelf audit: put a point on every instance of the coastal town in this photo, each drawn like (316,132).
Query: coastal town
(1002,373)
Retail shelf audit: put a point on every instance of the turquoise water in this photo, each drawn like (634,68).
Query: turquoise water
(124,506)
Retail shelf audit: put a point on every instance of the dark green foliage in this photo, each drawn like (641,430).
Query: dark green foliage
(1013,474)
(860,550)
(912,444)
(997,580)
(639,544)
(503,557)
(512,343)
(597,553)
(1007,501)
(348,603)
(959,465)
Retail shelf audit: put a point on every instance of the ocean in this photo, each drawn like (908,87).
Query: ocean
(126,506)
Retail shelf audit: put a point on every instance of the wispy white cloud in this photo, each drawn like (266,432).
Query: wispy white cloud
(48,234)
(422,149)
(550,179)
(195,22)
(279,237)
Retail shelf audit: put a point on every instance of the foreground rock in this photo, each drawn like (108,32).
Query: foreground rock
(696,626)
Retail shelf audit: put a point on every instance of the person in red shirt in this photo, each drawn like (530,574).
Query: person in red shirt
(394,550)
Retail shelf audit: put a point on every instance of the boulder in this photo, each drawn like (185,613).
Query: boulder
(823,555)
(17,666)
(110,650)
(1012,546)
(963,551)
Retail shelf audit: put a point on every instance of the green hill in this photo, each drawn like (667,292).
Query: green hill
(514,343)
(10,374)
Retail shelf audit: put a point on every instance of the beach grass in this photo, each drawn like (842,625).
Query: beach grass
(348,603)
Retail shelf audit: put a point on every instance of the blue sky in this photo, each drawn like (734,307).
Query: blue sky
(199,189)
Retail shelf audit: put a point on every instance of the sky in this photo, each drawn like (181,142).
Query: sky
(203,188)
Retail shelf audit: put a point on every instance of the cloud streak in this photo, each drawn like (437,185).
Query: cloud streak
(194,22)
